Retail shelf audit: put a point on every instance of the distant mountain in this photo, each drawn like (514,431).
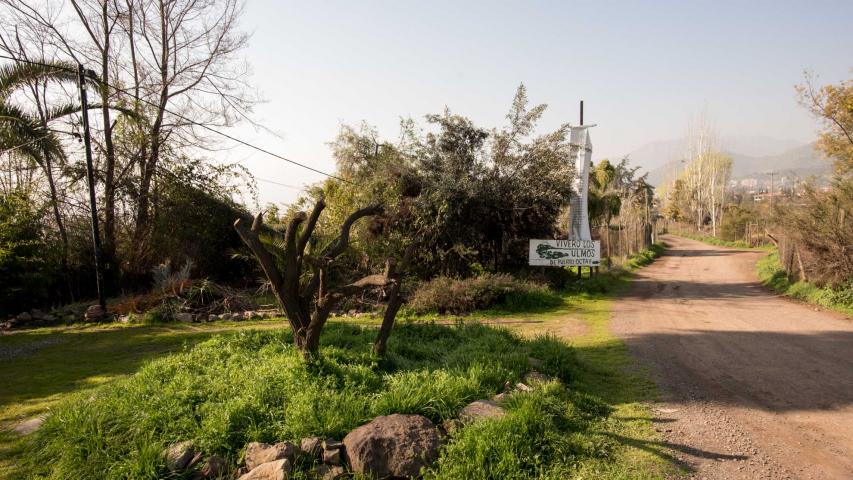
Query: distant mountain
(751,156)
(803,158)
(757,146)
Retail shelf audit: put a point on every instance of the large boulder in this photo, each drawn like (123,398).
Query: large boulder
(258,453)
(481,409)
(393,446)
(94,313)
(275,470)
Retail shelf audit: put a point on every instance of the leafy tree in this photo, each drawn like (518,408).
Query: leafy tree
(193,221)
(26,266)
(833,106)
(470,197)
(821,224)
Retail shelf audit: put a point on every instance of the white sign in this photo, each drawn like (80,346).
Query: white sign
(558,253)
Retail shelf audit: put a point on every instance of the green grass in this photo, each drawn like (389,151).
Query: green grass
(223,385)
(254,386)
(772,274)
(607,373)
(42,367)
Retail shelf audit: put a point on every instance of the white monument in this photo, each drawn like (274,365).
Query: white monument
(579,249)
(581,153)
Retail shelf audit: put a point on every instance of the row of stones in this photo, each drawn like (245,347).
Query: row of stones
(34,316)
(389,446)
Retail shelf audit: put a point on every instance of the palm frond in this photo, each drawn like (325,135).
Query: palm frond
(17,75)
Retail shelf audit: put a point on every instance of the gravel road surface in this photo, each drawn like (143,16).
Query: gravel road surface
(753,385)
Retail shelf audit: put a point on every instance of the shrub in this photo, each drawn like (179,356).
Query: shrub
(843,295)
(645,257)
(254,386)
(27,264)
(449,295)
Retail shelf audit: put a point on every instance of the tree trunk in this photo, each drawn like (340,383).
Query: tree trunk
(109,246)
(296,297)
(395,301)
(149,165)
(60,224)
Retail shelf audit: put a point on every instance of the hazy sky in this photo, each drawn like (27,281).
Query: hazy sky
(643,68)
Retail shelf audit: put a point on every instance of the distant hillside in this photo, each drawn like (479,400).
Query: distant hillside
(803,158)
(751,156)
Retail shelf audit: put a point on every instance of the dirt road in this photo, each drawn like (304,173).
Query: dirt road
(753,385)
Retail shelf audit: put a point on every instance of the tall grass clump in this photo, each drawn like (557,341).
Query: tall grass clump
(254,386)
(488,290)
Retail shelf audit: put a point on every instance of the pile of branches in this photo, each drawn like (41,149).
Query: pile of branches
(199,297)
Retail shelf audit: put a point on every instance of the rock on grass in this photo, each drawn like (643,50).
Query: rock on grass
(259,453)
(276,470)
(393,446)
(481,409)
(179,455)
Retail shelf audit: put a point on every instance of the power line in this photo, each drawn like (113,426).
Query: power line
(162,169)
(278,183)
(182,117)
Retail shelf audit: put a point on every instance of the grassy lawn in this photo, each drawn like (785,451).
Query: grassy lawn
(612,375)
(44,367)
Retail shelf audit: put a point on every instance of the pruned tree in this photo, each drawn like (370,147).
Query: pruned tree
(308,298)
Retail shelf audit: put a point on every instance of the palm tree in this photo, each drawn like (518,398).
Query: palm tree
(29,136)
(604,197)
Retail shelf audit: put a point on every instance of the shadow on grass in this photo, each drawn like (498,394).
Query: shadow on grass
(661,449)
(40,365)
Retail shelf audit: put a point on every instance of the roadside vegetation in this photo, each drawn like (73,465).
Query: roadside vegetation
(232,383)
(714,240)
(773,274)
(254,386)
(806,225)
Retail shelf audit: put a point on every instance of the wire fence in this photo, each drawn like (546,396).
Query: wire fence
(620,241)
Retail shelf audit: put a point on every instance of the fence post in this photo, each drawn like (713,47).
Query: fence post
(803,276)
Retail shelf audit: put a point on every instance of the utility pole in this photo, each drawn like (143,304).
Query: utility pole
(581,112)
(771,191)
(90,177)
